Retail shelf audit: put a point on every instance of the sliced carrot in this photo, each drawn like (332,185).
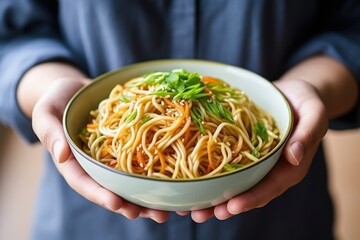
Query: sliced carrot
(106,149)
(187,136)
(207,90)
(209,169)
(138,170)
(113,163)
(210,80)
(92,125)
(109,119)
(169,102)
(162,160)
(186,110)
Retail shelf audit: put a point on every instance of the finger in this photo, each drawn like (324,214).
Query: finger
(203,215)
(47,115)
(183,213)
(221,212)
(129,210)
(309,131)
(48,128)
(156,215)
(80,181)
(310,120)
(282,177)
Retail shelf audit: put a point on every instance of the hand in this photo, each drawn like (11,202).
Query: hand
(309,129)
(47,124)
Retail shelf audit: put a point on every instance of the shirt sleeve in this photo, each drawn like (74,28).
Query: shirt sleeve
(28,36)
(339,39)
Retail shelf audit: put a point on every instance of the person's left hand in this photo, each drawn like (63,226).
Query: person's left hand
(310,126)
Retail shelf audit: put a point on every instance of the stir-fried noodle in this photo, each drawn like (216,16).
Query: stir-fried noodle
(178,125)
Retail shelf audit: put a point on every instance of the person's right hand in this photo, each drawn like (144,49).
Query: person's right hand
(47,124)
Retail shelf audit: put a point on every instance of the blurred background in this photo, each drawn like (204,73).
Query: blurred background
(21,166)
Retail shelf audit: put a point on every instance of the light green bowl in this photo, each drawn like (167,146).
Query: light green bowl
(177,195)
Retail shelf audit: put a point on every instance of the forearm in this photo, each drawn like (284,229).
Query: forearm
(334,82)
(35,82)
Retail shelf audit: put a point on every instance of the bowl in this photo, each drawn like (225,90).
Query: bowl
(177,195)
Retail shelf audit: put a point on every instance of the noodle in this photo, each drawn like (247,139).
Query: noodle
(178,125)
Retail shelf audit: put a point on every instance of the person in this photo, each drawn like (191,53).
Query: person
(309,49)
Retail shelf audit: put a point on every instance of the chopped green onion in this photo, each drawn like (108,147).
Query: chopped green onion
(131,116)
(256,152)
(145,120)
(177,84)
(261,131)
(125,99)
(180,84)
(215,108)
(197,117)
(233,166)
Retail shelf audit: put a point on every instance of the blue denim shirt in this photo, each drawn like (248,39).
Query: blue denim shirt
(264,36)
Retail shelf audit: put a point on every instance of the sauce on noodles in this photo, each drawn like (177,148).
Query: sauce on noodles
(178,125)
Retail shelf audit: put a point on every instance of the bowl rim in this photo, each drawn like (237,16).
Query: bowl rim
(148,63)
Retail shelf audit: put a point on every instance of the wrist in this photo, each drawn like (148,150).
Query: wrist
(333,82)
(35,82)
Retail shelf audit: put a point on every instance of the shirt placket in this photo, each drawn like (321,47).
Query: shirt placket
(183,32)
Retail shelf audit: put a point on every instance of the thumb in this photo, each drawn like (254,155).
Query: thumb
(47,118)
(310,122)
(48,128)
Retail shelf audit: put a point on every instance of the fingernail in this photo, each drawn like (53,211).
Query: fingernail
(109,208)
(297,152)
(57,150)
